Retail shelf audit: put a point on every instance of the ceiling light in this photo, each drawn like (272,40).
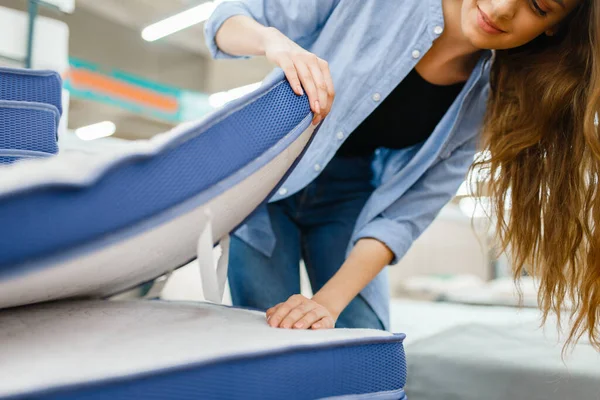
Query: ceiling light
(178,22)
(96,131)
(220,99)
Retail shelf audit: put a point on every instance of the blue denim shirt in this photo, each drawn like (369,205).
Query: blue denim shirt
(371,46)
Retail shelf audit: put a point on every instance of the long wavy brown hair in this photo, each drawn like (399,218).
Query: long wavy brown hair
(543,167)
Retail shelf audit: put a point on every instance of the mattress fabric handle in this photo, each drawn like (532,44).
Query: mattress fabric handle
(213,277)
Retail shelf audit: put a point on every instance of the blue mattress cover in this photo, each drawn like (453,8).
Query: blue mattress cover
(34,86)
(45,220)
(30,110)
(366,364)
(373,368)
(28,129)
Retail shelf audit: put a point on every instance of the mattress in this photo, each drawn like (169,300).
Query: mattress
(31,86)
(83,225)
(482,352)
(30,110)
(162,350)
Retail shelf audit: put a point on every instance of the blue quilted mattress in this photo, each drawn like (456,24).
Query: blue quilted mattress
(80,225)
(158,350)
(30,110)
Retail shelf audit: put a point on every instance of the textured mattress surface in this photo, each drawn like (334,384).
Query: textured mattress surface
(32,86)
(30,110)
(160,350)
(91,226)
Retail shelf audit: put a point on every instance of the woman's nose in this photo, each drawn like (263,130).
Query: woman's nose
(504,9)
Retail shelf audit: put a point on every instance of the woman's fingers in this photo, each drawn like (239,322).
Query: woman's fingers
(324,323)
(321,86)
(283,310)
(271,311)
(309,85)
(305,72)
(309,318)
(289,69)
(298,312)
(324,65)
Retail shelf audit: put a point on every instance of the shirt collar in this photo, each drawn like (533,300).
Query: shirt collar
(436,16)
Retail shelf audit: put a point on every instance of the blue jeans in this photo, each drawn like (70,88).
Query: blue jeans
(314,225)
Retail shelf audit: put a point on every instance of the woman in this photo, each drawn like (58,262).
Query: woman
(412,83)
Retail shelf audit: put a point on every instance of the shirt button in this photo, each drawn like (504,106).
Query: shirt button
(317,167)
(416,54)
(376,97)
(438,30)
(283,191)
(339,135)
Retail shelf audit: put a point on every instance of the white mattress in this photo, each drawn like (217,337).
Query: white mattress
(57,345)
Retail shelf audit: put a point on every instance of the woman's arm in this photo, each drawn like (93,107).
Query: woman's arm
(301,21)
(366,260)
(250,28)
(383,241)
(242,36)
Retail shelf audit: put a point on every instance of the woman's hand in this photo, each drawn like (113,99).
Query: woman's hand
(303,70)
(300,313)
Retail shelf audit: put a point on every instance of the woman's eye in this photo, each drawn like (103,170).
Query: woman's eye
(538,9)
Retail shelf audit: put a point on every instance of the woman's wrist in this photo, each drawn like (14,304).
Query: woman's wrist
(333,305)
(268,36)
(367,259)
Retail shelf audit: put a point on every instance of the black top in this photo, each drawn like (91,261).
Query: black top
(406,117)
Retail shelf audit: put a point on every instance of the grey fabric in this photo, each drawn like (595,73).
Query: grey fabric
(517,362)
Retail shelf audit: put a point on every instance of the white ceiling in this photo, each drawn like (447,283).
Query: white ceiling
(137,14)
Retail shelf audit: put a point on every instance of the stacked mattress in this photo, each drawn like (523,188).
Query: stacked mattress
(30,110)
(93,226)
(157,350)
(82,226)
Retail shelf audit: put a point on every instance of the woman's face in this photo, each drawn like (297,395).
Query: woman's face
(505,24)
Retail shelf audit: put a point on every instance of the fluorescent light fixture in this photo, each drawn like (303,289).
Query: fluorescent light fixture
(220,99)
(96,131)
(178,22)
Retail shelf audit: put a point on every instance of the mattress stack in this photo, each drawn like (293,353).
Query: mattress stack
(79,228)
(30,111)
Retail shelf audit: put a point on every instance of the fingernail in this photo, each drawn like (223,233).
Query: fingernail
(299,89)
(316,326)
(299,325)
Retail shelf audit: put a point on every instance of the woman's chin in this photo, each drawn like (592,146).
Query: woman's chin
(482,41)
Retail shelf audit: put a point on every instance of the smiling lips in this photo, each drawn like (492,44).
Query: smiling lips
(486,24)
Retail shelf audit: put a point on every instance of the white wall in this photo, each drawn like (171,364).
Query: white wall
(50,41)
(449,246)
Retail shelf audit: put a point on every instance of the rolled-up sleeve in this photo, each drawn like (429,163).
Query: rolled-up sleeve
(298,20)
(406,219)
